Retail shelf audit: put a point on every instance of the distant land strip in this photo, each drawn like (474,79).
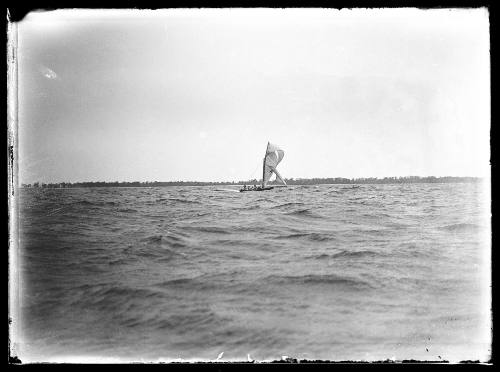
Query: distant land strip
(289,181)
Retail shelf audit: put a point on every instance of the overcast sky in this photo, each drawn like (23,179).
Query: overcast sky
(196,94)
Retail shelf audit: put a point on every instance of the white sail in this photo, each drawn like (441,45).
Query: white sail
(278,177)
(273,157)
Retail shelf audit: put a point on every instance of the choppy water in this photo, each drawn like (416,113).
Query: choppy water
(316,272)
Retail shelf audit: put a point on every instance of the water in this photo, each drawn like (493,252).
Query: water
(317,272)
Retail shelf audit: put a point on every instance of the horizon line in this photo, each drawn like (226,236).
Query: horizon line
(258,180)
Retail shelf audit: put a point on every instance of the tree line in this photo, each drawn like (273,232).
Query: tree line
(289,181)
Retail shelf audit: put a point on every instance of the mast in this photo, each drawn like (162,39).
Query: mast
(264,165)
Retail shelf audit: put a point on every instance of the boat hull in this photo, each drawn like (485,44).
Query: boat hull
(257,189)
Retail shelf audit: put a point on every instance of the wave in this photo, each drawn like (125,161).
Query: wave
(94,203)
(262,199)
(381,231)
(105,297)
(310,236)
(292,236)
(365,253)
(159,240)
(211,229)
(413,204)
(176,282)
(83,202)
(358,198)
(119,261)
(230,190)
(320,256)
(177,200)
(234,243)
(170,255)
(127,210)
(201,282)
(54,211)
(152,239)
(304,212)
(377,215)
(250,208)
(128,291)
(314,279)
(188,321)
(340,191)
(461,227)
(289,204)
(174,241)
(345,254)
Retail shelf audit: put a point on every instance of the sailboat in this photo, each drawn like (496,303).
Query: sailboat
(272,158)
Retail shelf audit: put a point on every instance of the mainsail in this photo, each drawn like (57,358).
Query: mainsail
(272,158)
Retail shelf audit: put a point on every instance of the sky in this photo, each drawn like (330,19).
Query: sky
(130,95)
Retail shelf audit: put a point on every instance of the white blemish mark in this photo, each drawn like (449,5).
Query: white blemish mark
(48,73)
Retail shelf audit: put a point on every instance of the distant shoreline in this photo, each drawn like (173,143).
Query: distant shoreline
(290,182)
